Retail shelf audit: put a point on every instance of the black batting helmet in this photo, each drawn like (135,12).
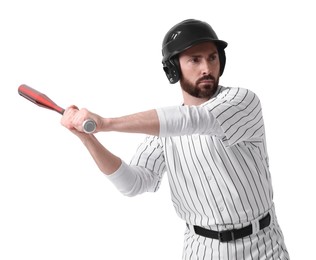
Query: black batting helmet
(183,36)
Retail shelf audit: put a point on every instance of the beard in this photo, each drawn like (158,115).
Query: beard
(198,89)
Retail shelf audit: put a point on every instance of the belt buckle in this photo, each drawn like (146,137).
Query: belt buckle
(226,236)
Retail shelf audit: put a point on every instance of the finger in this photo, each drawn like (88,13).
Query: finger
(71,108)
(74,107)
(67,119)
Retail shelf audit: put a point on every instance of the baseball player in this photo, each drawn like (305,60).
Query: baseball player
(213,149)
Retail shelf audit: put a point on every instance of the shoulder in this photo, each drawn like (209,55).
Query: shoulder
(233,96)
(233,92)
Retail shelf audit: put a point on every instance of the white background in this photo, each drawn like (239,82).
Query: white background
(106,56)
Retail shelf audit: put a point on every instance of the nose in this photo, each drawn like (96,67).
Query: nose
(206,67)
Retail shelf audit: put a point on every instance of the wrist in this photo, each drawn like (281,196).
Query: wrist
(105,125)
(84,137)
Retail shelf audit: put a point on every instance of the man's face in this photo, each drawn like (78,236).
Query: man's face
(200,69)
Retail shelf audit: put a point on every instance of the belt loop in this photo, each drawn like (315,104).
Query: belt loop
(271,211)
(255,226)
(191,228)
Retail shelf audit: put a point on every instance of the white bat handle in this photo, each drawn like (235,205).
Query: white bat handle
(89,126)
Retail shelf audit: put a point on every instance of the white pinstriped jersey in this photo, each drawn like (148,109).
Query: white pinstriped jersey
(213,180)
(217,164)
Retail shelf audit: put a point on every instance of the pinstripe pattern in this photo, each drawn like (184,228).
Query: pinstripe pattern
(217,181)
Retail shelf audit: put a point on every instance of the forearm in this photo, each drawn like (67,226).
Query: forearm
(146,122)
(107,162)
(129,180)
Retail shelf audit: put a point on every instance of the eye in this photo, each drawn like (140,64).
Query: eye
(213,57)
(194,60)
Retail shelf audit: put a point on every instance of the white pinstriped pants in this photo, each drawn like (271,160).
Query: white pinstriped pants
(265,245)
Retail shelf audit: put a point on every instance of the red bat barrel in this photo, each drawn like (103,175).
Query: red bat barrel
(39,98)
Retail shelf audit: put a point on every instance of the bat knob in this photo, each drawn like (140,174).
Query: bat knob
(89,126)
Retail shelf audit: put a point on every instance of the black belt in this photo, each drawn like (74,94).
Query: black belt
(233,234)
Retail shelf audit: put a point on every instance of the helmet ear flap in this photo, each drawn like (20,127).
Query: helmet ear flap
(172,69)
(222,60)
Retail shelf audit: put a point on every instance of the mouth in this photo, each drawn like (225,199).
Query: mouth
(206,80)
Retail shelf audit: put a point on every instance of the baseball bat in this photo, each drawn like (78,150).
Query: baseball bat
(42,100)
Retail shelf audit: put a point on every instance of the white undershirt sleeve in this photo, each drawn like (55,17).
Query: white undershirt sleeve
(187,120)
(132,180)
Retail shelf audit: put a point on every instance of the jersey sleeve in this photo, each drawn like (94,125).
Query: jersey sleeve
(239,114)
(150,155)
(145,171)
